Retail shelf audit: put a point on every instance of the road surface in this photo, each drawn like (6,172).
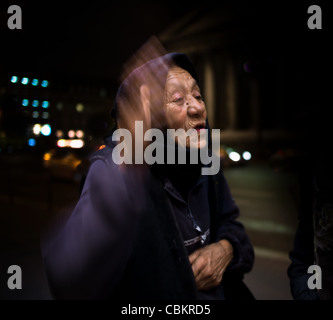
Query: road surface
(268,201)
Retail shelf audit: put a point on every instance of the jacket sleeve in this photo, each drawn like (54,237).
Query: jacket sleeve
(302,256)
(85,256)
(228,227)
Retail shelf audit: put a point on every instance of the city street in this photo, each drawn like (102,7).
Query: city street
(267,199)
(268,203)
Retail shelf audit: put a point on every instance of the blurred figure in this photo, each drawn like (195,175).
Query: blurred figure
(151,231)
(302,255)
(313,244)
(323,223)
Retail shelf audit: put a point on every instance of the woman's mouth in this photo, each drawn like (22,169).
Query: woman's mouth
(200,127)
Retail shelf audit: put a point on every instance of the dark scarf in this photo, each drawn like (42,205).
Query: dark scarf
(182,176)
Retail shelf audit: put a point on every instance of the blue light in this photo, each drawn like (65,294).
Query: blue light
(32,142)
(25,102)
(14,79)
(35,103)
(45,130)
(44,83)
(45,104)
(35,82)
(25,80)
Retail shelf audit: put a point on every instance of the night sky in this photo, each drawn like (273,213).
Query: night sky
(89,39)
(92,40)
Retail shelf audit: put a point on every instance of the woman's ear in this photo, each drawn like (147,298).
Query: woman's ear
(146,104)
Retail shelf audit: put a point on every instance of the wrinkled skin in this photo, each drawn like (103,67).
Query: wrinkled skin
(185,109)
(183,103)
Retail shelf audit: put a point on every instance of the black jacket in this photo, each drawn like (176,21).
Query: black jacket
(122,240)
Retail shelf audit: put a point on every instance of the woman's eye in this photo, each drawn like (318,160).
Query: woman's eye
(199,97)
(178,100)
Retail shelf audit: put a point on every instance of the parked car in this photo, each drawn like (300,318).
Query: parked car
(66,163)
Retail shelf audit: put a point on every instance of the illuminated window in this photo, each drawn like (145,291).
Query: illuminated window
(35,103)
(45,115)
(79,133)
(71,134)
(35,82)
(25,102)
(14,79)
(45,104)
(35,114)
(79,107)
(44,83)
(25,80)
(59,133)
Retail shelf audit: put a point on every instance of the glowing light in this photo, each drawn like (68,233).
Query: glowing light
(44,83)
(76,143)
(47,156)
(32,142)
(102,146)
(234,156)
(79,107)
(35,82)
(35,114)
(36,129)
(79,133)
(61,143)
(71,143)
(25,80)
(45,104)
(14,79)
(247,155)
(71,134)
(46,130)
(59,133)
(25,102)
(35,103)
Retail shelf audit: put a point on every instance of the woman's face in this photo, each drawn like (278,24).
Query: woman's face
(183,104)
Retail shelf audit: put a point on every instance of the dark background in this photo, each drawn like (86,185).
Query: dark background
(71,41)
(77,39)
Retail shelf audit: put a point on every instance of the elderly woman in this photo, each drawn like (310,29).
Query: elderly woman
(152,231)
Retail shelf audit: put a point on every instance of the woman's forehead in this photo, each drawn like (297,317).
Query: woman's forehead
(177,75)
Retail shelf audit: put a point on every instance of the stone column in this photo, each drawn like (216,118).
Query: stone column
(209,92)
(231,95)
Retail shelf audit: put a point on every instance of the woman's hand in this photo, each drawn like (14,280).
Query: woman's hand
(210,262)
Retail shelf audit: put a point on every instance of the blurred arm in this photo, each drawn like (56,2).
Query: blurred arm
(85,257)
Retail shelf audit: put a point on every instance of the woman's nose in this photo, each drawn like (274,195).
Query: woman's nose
(195,107)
